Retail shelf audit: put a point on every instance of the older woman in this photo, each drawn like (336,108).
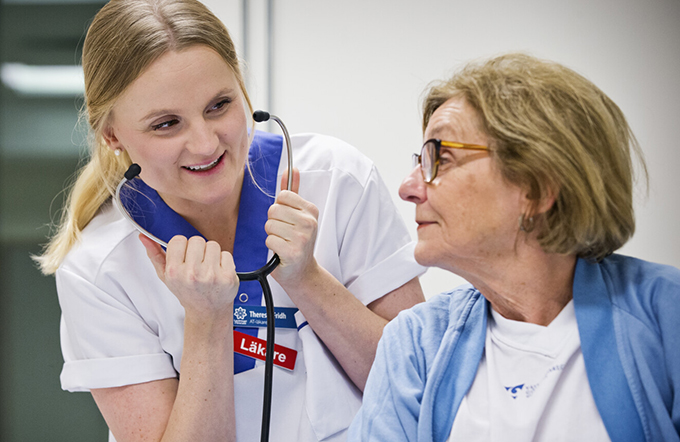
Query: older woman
(524,188)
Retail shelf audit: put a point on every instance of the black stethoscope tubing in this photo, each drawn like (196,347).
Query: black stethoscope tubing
(259,275)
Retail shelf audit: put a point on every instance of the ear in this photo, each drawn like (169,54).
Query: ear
(110,138)
(545,203)
(535,200)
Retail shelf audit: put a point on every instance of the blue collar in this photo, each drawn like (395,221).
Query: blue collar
(593,303)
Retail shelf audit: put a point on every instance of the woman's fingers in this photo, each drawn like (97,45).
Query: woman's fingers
(296,181)
(199,273)
(227,262)
(176,250)
(156,254)
(213,254)
(291,230)
(291,200)
(292,218)
(196,248)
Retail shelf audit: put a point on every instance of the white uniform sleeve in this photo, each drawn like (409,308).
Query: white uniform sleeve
(105,342)
(376,251)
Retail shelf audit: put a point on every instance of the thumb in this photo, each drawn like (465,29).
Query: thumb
(156,254)
(296,180)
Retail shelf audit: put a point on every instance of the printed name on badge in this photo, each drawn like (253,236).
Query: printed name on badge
(247,345)
(256,316)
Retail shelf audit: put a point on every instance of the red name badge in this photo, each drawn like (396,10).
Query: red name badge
(247,345)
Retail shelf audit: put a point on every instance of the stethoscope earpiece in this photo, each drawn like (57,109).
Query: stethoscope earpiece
(133,171)
(260,116)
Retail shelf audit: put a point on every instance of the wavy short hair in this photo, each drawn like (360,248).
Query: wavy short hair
(555,133)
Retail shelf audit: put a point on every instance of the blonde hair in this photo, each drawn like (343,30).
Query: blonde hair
(555,133)
(125,37)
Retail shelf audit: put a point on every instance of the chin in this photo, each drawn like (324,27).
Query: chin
(423,255)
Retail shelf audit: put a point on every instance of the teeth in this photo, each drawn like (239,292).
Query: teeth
(206,167)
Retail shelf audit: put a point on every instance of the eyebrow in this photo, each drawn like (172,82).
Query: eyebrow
(159,112)
(437,130)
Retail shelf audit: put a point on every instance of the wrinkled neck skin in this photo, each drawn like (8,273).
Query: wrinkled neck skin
(526,284)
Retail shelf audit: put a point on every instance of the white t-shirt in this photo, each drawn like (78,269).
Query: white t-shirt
(121,325)
(531,385)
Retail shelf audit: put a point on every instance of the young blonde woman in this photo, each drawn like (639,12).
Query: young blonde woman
(151,332)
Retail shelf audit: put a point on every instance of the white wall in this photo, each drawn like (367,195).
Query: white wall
(357,69)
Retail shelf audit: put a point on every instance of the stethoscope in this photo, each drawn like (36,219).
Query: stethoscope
(257,275)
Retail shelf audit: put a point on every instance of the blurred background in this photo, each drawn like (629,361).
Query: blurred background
(354,69)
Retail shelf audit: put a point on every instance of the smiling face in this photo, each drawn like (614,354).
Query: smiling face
(183,121)
(469,213)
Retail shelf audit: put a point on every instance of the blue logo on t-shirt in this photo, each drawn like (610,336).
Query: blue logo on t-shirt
(514,391)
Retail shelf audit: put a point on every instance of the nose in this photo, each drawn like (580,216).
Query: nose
(413,188)
(203,138)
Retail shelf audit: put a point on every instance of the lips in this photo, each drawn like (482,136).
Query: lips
(204,167)
(422,224)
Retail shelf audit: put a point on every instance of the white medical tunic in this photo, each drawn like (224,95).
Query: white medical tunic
(121,325)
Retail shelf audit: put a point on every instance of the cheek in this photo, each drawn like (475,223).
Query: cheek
(457,203)
(234,123)
(156,160)
(154,156)
(235,133)
(471,213)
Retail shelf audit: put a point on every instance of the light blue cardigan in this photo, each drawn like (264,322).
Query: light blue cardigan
(628,314)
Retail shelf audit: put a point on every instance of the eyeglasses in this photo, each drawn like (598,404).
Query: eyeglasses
(430,156)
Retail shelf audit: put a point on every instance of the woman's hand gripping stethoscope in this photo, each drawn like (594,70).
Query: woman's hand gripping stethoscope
(291,230)
(198,273)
